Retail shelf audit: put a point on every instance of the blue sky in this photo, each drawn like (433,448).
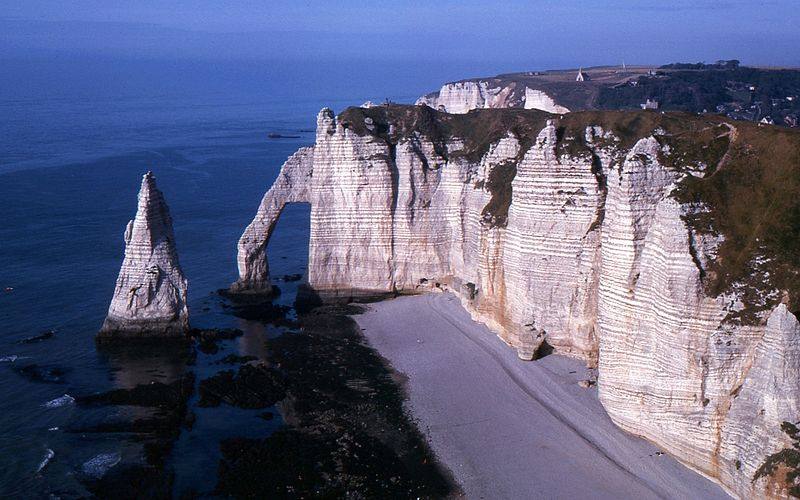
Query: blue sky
(513,34)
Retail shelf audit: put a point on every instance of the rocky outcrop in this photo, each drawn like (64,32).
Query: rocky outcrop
(462,97)
(572,234)
(150,296)
(538,99)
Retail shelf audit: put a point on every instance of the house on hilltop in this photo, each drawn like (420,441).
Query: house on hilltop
(649,104)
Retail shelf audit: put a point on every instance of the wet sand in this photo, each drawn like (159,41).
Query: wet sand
(513,429)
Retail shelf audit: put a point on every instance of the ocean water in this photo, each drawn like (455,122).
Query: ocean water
(70,168)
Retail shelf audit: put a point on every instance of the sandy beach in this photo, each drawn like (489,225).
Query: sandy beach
(513,429)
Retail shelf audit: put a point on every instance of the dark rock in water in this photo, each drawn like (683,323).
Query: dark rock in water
(157,433)
(38,338)
(235,359)
(347,434)
(44,374)
(154,394)
(267,415)
(256,307)
(253,386)
(292,277)
(132,481)
(191,418)
(265,312)
(208,340)
(207,346)
(139,425)
(241,298)
(216,334)
(149,430)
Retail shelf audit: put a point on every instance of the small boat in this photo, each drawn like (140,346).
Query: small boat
(274,135)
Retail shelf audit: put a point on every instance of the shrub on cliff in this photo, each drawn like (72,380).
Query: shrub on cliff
(788,457)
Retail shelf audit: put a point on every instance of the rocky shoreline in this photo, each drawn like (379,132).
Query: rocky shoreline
(346,432)
(331,413)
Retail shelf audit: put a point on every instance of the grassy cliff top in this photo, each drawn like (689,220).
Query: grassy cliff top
(749,194)
(676,87)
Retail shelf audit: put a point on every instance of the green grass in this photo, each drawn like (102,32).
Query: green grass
(754,202)
(495,213)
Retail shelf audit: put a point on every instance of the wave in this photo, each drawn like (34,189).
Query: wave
(64,400)
(48,455)
(100,464)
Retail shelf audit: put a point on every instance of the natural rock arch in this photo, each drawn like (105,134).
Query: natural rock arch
(291,186)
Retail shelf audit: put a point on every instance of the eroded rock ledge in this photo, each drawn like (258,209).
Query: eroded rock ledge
(659,247)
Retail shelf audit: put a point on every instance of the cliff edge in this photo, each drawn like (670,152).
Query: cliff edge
(660,248)
(726,88)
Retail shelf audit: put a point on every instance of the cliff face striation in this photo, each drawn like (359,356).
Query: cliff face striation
(660,248)
(150,296)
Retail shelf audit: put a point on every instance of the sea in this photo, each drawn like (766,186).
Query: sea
(76,136)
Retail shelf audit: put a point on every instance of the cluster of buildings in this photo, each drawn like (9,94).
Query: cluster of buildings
(776,111)
(746,102)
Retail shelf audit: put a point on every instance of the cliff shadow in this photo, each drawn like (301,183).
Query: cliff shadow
(544,350)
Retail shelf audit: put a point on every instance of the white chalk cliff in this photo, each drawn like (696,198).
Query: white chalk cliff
(587,252)
(462,97)
(150,296)
(538,99)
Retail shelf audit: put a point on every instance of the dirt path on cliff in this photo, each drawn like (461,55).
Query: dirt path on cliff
(513,429)
(733,136)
